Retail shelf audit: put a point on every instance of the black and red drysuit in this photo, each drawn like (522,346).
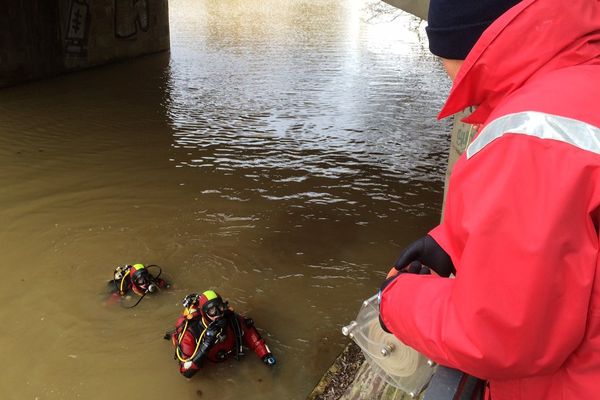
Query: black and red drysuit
(138,280)
(198,339)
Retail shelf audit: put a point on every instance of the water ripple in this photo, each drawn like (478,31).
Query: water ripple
(288,113)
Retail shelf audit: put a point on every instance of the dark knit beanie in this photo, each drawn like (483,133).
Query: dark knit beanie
(455,25)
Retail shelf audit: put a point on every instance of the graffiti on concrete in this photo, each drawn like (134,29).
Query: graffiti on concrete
(78,28)
(131,16)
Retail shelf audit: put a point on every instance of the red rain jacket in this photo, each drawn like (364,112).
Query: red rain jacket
(522,217)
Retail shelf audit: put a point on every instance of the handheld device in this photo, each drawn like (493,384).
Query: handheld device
(398,364)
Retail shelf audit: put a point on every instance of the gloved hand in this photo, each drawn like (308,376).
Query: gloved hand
(269,359)
(217,325)
(429,253)
(206,344)
(209,339)
(414,267)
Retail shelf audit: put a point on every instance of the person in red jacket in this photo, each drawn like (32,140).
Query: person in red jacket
(521,224)
(209,330)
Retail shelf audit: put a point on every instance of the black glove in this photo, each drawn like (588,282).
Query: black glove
(209,339)
(429,253)
(207,343)
(414,267)
(217,325)
(269,359)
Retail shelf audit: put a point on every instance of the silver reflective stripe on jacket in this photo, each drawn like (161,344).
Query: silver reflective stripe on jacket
(541,125)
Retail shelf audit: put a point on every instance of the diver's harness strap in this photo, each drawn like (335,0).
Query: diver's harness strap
(206,336)
(180,331)
(210,338)
(238,331)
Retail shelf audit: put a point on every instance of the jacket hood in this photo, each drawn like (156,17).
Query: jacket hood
(532,38)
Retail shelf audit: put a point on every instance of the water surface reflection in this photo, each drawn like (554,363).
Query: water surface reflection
(283,152)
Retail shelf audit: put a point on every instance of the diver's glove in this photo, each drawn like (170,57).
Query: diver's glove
(209,339)
(414,267)
(217,326)
(427,251)
(207,343)
(269,359)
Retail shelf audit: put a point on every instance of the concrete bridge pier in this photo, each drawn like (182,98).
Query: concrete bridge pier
(45,38)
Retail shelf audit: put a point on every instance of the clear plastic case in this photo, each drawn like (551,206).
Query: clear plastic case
(398,364)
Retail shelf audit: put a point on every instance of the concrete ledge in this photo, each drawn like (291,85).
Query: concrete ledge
(340,374)
(351,378)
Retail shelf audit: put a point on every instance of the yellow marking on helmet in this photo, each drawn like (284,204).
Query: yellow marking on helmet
(138,266)
(210,295)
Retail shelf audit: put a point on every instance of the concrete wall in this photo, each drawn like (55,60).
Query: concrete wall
(414,7)
(44,38)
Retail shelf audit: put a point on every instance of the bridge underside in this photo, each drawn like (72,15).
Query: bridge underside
(415,7)
(44,38)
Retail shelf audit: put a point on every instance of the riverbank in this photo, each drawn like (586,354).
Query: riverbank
(350,378)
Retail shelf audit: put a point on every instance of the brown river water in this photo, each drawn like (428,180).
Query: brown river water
(282,153)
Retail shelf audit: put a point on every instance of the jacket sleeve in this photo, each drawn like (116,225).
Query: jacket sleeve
(252,338)
(520,229)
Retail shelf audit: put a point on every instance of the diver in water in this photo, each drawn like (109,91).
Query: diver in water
(209,329)
(136,279)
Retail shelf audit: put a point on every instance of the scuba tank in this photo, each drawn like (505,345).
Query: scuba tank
(119,275)
(121,271)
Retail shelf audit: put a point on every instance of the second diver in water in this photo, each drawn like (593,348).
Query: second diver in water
(209,330)
(136,279)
